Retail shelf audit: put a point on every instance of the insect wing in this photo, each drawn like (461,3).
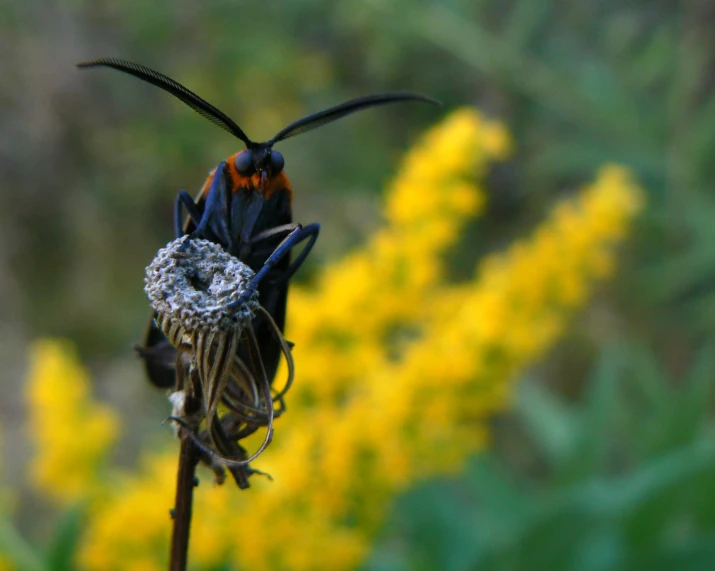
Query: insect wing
(159,356)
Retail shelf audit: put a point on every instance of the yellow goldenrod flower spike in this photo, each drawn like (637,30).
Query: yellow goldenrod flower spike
(71,433)
(362,305)
(398,371)
(132,530)
(425,410)
(134,533)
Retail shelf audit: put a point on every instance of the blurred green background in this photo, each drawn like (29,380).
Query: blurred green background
(608,460)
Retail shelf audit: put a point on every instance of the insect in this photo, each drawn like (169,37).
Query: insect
(245,206)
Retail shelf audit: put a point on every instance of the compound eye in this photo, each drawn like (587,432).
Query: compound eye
(244,163)
(277,162)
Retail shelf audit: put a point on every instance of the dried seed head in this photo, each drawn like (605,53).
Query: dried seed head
(194,282)
(199,294)
(192,285)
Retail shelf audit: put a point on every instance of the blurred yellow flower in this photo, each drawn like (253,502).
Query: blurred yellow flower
(71,433)
(423,409)
(137,542)
(398,370)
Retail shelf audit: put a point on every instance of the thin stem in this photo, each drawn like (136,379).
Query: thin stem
(185,482)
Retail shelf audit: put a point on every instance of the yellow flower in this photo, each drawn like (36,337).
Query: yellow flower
(399,372)
(137,533)
(134,533)
(423,407)
(71,433)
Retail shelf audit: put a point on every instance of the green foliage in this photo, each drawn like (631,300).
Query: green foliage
(629,482)
(15,548)
(59,553)
(64,543)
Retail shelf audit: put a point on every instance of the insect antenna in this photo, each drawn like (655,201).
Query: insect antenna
(201,106)
(326,116)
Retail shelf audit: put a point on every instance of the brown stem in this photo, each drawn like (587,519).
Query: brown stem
(185,481)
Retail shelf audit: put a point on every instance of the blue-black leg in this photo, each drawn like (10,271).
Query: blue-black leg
(184,199)
(283,248)
(309,232)
(212,203)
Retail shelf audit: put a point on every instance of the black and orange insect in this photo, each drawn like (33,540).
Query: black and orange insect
(245,206)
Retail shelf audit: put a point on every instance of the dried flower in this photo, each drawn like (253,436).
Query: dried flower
(205,304)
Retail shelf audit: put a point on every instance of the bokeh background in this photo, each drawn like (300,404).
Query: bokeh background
(602,455)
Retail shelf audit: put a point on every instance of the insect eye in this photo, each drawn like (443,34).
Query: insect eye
(244,163)
(277,162)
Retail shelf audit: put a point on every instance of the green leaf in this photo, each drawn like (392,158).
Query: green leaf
(579,157)
(655,61)
(435,528)
(693,406)
(503,506)
(693,555)
(525,20)
(17,549)
(549,421)
(61,552)
(596,423)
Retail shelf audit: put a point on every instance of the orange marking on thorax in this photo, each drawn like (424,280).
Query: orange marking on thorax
(275,183)
(243,183)
(207,184)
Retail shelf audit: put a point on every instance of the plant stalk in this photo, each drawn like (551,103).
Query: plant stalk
(185,483)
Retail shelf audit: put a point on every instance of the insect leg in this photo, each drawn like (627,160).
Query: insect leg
(184,199)
(218,185)
(309,232)
(283,248)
